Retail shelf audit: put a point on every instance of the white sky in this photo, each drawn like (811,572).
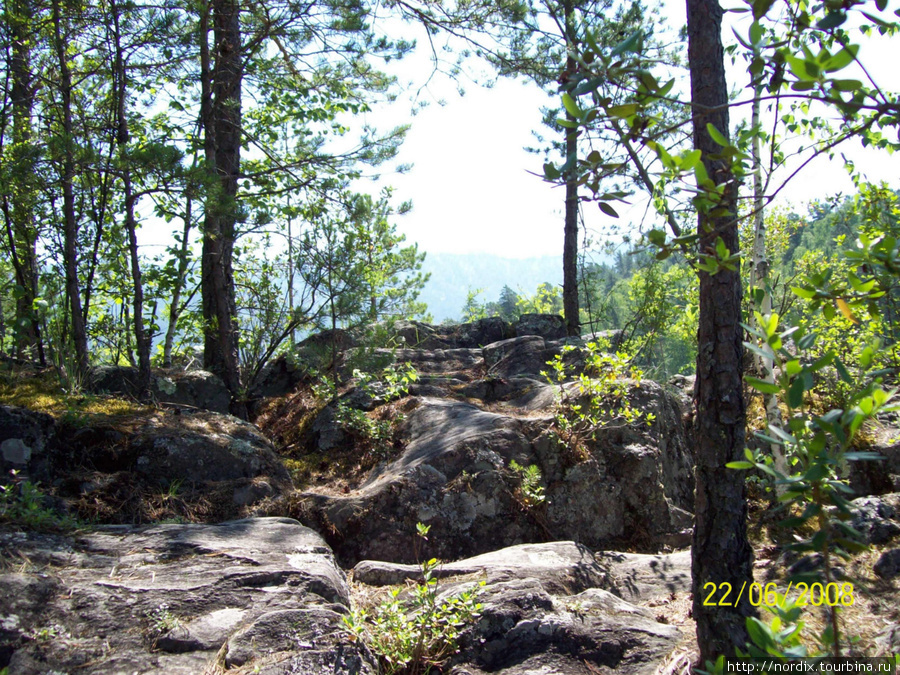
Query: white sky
(472,184)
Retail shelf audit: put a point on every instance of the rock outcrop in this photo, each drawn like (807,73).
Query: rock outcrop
(110,469)
(545,610)
(176,599)
(197,389)
(264,595)
(474,413)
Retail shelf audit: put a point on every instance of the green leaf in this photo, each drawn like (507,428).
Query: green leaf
(804,293)
(832,20)
(756,33)
(657,237)
(551,172)
(740,465)
(690,159)
(571,106)
(762,385)
(631,44)
(795,393)
(622,111)
(847,85)
(760,633)
(608,210)
(761,8)
(841,60)
(717,135)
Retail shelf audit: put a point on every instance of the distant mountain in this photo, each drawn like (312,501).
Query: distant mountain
(452,275)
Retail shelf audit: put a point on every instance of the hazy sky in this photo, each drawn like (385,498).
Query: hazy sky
(472,184)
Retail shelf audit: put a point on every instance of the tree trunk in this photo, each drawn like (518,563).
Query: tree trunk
(570,238)
(222,128)
(180,279)
(70,223)
(759,279)
(141,337)
(21,227)
(721,552)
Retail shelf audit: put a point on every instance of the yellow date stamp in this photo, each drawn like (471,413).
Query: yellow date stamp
(816,594)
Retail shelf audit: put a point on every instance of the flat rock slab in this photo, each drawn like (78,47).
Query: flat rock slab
(561,566)
(546,610)
(640,578)
(175,599)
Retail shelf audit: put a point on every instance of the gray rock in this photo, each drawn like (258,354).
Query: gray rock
(888,564)
(879,476)
(26,441)
(640,578)
(544,611)
(453,473)
(562,567)
(417,335)
(876,517)
(193,388)
(524,630)
(279,377)
(15,452)
(167,598)
(548,326)
(526,355)
(204,447)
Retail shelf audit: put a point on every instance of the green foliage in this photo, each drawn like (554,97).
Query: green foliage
(23,504)
(378,433)
(547,299)
(161,621)
(418,632)
(389,384)
(818,446)
(599,398)
(531,492)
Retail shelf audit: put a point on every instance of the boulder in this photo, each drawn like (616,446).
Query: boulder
(193,388)
(547,326)
(888,564)
(544,611)
(278,377)
(26,441)
(203,447)
(264,593)
(633,483)
(418,335)
(879,476)
(876,518)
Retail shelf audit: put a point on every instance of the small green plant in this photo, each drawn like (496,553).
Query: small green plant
(413,635)
(601,397)
(391,383)
(377,433)
(161,621)
(530,492)
(22,504)
(48,633)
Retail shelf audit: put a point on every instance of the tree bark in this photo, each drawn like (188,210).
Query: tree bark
(141,336)
(70,222)
(222,128)
(21,227)
(721,551)
(759,279)
(570,238)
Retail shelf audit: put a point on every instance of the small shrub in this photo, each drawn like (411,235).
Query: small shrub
(413,636)
(22,503)
(601,397)
(530,492)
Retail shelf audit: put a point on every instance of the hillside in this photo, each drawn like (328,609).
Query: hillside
(453,275)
